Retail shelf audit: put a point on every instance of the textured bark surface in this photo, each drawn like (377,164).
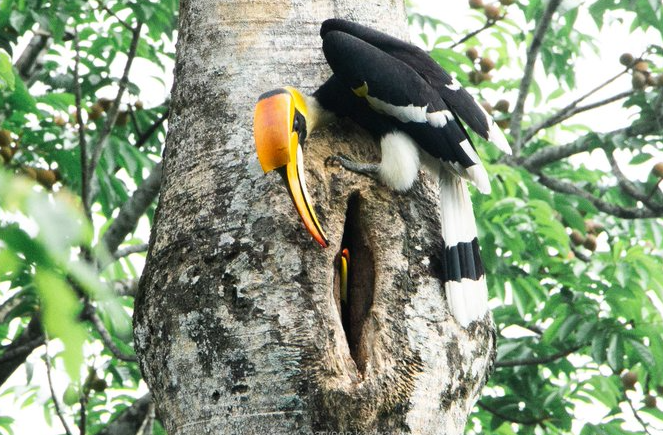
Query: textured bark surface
(237,324)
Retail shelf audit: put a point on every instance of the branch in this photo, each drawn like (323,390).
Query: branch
(629,188)
(134,121)
(133,249)
(56,402)
(114,15)
(488,25)
(654,189)
(127,287)
(132,210)
(527,422)
(148,424)
(606,207)
(140,142)
(26,62)
(131,419)
(92,316)
(121,253)
(17,352)
(532,54)
(82,423)
(114,109)
(551,154)
(150,131)
(8,306)
(85,175)
(24,349)
(636,414)
(571,110)
(580,256)
(539,360)
(84,400)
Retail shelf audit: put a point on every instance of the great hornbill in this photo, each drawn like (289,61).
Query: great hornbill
(413,108)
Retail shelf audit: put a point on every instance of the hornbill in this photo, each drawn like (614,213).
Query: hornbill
(414,109)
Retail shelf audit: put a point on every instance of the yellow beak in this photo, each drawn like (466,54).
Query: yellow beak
(278,147)
(345,260)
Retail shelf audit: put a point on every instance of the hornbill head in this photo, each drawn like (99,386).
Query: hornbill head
(279,128)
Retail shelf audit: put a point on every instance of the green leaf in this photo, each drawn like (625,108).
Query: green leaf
(9,262)
(60,311)
(5,9)
(643,353)
(6,72)
(572,217)
(568,326)
(615,352)
(599,343)
(58,100)
(605,389)
(640,158)
(21,99)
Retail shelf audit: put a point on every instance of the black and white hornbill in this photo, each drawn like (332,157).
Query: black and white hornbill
(414,108)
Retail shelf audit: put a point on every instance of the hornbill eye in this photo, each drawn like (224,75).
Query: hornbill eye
(295,125)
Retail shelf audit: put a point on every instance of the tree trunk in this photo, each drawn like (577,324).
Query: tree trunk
(237,324)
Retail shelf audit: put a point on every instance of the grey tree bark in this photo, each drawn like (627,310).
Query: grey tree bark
(237,325)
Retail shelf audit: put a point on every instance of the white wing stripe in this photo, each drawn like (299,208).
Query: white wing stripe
(440,118)
(454,86)
(410,113)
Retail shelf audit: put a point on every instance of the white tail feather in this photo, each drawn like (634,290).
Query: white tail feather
(495,134)
(467,298)
(456,212)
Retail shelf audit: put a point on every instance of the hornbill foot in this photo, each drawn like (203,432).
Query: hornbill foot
(368,169)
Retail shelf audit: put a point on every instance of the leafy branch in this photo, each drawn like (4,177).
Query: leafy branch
(129,250)
(131,419)
(145,136)
(56,402)
(90,314)
(114,15)
(125,287)
(25,64)
(524,421)
(132,210)
(85,186)
(630,188)
(636,414)
(16,353)
(20,350)
(113,111)
(539,360)
(604,206)
(571,110)
(528,74)
(489,23)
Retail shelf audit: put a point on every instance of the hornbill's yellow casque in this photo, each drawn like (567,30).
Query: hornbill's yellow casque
(413,108)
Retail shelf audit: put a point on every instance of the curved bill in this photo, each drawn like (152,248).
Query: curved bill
(345,259)
(278,148)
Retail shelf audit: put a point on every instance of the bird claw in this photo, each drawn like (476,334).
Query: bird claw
(338,159)
(368,169)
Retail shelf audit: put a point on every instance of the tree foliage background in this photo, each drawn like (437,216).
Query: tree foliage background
(571,235)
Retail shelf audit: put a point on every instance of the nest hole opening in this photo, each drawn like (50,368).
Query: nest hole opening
(360,274)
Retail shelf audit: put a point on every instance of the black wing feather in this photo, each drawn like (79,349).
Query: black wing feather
(356,62)
(460,101)
(388,79)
